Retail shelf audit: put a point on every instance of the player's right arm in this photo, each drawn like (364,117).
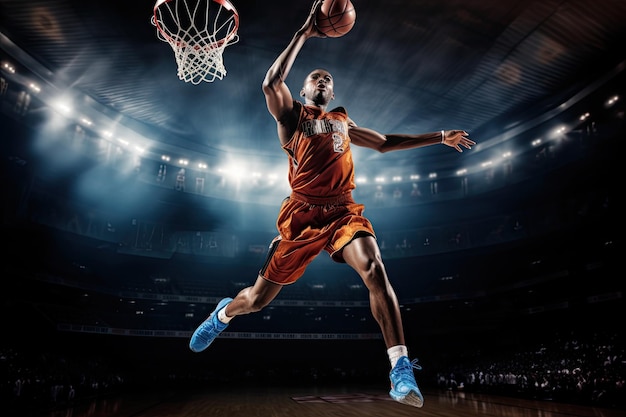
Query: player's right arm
(277,95)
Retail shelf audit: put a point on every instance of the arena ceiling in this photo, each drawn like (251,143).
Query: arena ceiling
(407,66)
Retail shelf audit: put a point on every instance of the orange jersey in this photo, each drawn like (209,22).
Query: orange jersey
(320,159)
(320,213)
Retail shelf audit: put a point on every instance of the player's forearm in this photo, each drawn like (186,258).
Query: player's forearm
(396,142)
(280,68)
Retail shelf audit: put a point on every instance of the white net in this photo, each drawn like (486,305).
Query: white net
(198,32)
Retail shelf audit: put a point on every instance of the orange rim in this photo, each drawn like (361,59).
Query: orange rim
(224,3)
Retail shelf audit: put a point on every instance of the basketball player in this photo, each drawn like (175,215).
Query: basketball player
(320,213)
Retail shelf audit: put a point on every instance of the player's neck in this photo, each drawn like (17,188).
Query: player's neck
(312,104)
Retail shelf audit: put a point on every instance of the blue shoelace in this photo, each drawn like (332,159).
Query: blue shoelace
(410,366)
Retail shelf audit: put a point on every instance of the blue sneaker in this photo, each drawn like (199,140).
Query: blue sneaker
(206,333)
(403,386)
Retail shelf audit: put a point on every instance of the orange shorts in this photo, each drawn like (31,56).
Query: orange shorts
(306,229)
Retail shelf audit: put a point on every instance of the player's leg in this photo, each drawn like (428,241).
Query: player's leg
(248,300)
(363,255)
(253,299)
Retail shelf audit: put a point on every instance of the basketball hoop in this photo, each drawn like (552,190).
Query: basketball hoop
(198,32)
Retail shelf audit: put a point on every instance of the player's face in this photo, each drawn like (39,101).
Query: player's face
(318,87)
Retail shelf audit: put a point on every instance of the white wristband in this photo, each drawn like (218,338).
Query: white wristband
(443,136)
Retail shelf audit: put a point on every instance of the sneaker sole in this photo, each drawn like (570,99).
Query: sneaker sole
(411,399)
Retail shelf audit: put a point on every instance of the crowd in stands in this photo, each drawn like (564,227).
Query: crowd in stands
(571,368)
(33,382)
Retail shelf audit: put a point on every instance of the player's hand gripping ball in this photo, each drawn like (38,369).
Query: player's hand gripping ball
(335,18)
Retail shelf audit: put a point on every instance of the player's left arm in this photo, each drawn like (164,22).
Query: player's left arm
(369,138)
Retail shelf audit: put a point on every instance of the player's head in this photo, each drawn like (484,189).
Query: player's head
(318,87)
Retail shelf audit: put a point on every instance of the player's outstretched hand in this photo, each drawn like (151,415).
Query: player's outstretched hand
(457,138)
(309,28)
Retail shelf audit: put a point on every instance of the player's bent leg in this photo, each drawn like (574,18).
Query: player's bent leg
(255,298)
(249,300)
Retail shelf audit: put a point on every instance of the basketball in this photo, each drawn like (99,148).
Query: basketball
(335,18)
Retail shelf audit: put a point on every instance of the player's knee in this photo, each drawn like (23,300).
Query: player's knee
(373,271)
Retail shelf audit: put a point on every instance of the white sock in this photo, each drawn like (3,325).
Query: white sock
(395,353)
(221,316)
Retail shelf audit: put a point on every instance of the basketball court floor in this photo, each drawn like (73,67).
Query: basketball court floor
(346,401)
